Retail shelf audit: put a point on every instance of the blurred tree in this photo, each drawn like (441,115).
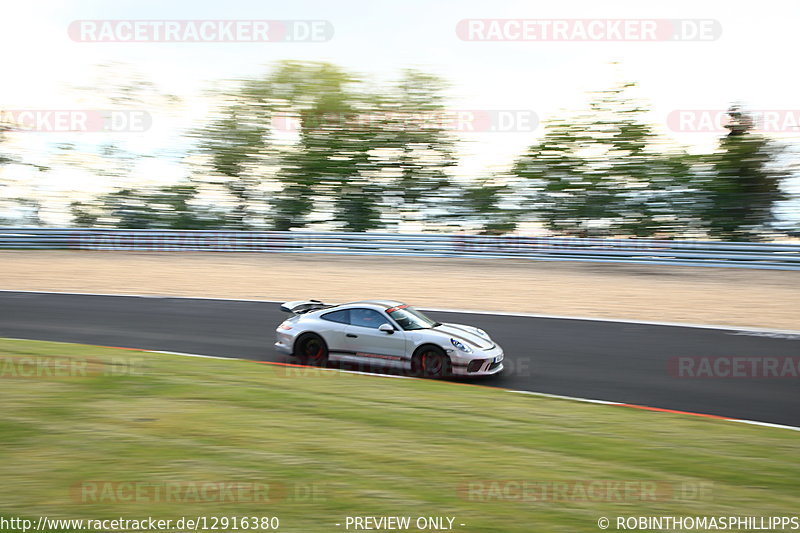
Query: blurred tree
(170,207)
(5,159)
(236,143)
(361,156)
(564,194)
(4,127)
(84,214)
(117,158)
(484,206)
(606,172)
(326,165)
(357,207)
(417,150)
(18,207)
(130,209)
(745,183)
(121,88)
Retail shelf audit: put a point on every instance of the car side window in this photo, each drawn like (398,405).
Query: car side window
(367,318)
(342,317)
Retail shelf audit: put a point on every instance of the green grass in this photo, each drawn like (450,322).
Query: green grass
(364,445)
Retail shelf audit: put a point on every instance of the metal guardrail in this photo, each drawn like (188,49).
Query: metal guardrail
(692,253)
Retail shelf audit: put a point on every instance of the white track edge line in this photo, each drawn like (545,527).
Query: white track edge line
(721,327)
(764,424)
(688,413)
(560,397)
(529,393)
(190,354)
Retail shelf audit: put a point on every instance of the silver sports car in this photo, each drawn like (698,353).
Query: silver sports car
(388,334)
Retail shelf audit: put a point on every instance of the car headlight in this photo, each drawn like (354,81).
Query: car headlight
(461,346)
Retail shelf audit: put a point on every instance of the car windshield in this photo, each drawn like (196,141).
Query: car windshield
(409,318)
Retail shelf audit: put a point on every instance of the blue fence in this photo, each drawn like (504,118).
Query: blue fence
(692,253)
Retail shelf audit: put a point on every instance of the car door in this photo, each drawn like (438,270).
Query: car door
(368,344)
(332,329)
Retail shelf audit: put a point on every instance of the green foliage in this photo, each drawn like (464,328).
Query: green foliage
(328,154)
(236,142)
(24,211)
(483,207)
(745,185)
(366,157)
(171,207)
(4,128)
(418,150)
(606,172)
(356,151)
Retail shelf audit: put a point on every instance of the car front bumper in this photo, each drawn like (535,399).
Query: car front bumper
(491,362)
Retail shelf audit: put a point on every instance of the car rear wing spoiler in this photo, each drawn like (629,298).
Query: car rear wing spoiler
(303,306)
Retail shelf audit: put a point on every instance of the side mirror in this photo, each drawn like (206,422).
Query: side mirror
(386,328)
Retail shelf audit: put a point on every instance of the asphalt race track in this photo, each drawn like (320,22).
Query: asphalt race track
(613,361)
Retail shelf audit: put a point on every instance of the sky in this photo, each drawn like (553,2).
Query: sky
(752,61)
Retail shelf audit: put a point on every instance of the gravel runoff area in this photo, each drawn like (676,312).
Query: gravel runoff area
(727,296)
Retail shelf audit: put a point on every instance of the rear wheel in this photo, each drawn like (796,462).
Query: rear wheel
(312,350)
(431,362)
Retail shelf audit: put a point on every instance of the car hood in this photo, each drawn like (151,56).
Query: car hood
(465,334)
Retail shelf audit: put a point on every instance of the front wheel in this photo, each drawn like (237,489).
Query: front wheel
(431,362)
(312,350)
